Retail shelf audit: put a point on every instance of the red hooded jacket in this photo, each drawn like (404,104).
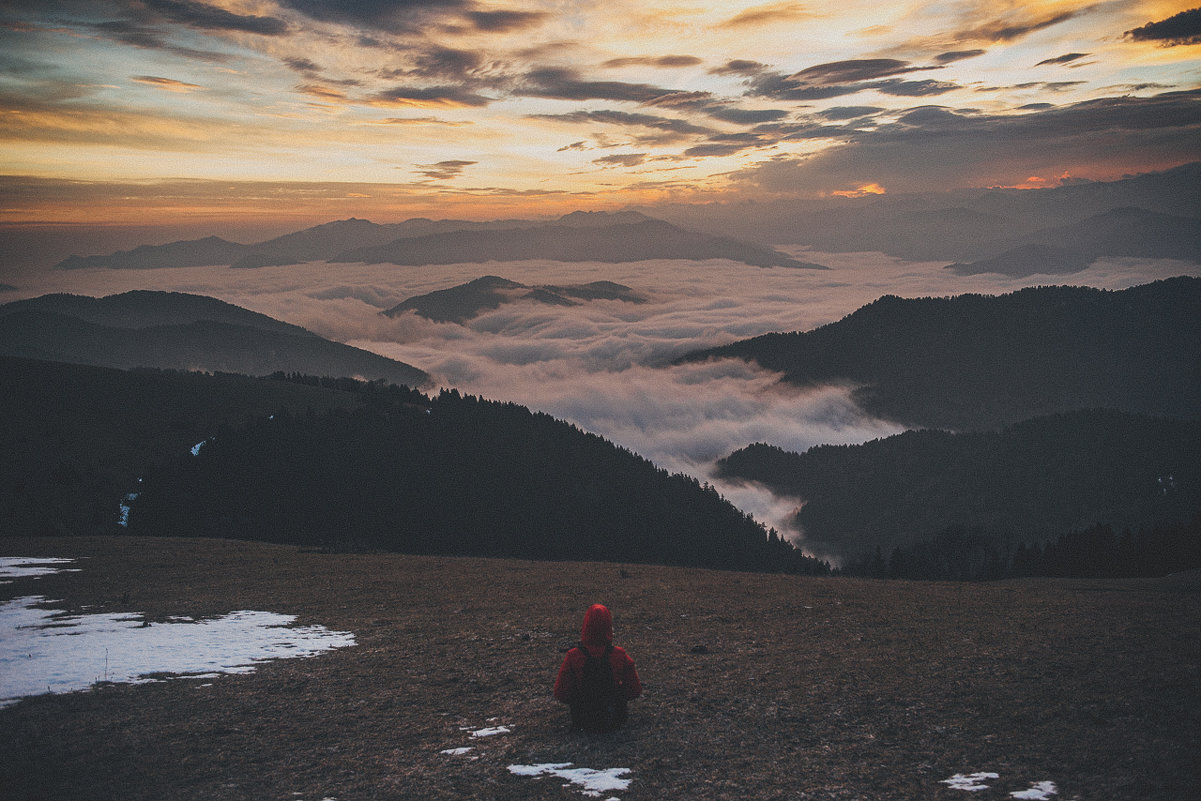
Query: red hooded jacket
(595,635)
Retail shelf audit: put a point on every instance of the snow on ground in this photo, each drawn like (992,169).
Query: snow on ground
(593,782)
(974,782)
(1040,791)
(12,567)
(48,650)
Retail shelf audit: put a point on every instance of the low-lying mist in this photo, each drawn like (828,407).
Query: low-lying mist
(606,365)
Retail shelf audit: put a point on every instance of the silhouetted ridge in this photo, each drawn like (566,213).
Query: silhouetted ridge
(180,331)
(975,361)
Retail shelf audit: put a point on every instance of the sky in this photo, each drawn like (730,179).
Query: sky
(283,113)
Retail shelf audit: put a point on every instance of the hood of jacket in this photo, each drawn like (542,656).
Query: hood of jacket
(597,631)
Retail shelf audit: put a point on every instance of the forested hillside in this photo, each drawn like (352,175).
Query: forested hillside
(448,475)
(977,362)
(344,464)
(1028,483)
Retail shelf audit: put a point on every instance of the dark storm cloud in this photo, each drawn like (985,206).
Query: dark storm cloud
(443,170)
(741,116)
(1066,58)
(932,145)
(302,65)
(429,96)
(504,21)
(1180,29)
(389,16)
(849,112)
(207,17)
(912,88)
(841,78)
(621,160)
(853,70)
(445,62)
(628,119)
(147,37)
(739,67)
(565,84)
(957,55)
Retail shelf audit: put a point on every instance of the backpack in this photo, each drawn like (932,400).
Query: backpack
(599,705)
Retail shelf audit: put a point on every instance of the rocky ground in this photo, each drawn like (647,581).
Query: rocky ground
(757,686)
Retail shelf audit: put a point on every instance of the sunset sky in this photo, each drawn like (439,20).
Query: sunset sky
(303,110)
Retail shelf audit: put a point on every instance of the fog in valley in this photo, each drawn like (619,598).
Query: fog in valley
(605,365)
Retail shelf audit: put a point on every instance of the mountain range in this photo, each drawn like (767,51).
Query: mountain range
(1153,215)
(975,362)
(180,331)
(580,236)
(461,303)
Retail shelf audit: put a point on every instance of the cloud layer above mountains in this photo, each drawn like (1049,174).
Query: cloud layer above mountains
(605,365)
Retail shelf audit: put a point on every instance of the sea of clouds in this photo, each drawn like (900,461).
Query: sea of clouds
(606,365)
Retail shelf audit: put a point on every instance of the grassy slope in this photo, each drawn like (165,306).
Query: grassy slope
(811,688)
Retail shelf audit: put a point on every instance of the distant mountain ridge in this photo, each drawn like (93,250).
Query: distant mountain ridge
(974,361)
(579,236)
(1070,248)
(180,331)
(963,227)
(465,301)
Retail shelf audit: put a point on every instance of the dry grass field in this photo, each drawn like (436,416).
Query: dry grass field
(757,686)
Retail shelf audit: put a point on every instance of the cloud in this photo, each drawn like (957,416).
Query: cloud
(386,16)
(430,96)
(739,67)
(853,70)
(604,365)
(958,55)
(502,21)
(653,61)
(1179,29)
(849,112)
(565,84)
(678,128)
(768,15)
(621,160)
(208,17)
(443,170)
(150,38)
(840,78)
(933,146)
(169,84)
(1016,26)
(1066,58)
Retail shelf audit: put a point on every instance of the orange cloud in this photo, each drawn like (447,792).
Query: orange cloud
(862,191)
(169,84)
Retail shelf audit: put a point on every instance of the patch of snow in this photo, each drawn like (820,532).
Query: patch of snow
(32,566)
(593,782)
(972,782)
(1040,791)
(455,751)
(491,731)
(47,650)
(196,448)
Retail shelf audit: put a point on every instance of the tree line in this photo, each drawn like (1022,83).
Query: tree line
(1099,551)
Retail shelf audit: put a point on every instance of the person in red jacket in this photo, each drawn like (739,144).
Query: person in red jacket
(576,687)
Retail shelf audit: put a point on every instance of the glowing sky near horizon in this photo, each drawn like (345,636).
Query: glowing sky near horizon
(145,110)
